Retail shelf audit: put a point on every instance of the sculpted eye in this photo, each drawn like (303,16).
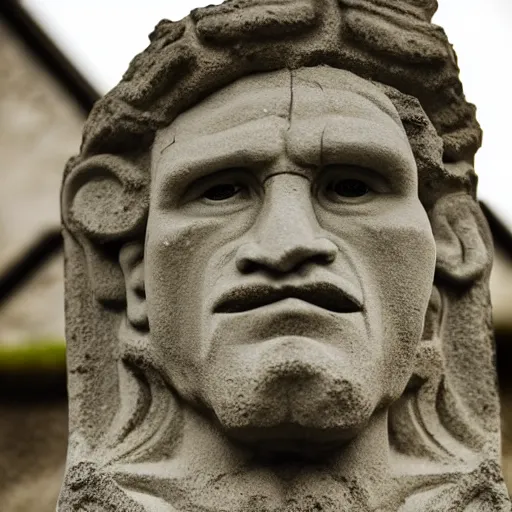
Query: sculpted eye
(349,188)
(341,184)
(222,191)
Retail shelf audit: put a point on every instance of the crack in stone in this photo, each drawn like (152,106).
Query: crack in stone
(290,109)
(169,145)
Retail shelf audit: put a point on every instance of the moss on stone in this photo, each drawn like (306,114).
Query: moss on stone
(37,355)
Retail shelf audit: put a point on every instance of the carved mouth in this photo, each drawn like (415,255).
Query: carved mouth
(323,295)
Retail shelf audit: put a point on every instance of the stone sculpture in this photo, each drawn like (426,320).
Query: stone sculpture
(277,271)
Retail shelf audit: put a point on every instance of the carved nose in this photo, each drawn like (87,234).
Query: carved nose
(287,235)
(286,258)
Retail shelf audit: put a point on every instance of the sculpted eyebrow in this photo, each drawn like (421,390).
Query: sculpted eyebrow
(368,145)
(254,143)
(379,146)
(378,155)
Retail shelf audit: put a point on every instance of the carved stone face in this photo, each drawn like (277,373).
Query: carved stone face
(289,260)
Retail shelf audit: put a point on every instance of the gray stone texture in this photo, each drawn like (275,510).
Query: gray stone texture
(277,285)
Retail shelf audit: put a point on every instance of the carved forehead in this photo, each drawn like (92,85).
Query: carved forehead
(302,93)
(393,43)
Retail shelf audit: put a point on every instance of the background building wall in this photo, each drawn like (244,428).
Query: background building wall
(39,129)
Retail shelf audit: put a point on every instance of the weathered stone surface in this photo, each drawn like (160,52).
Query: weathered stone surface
(277,271)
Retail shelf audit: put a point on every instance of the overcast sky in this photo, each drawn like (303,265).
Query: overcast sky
(101,37)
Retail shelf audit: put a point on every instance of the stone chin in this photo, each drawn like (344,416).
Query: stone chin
(289,394)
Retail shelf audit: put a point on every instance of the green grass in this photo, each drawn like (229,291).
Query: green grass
(41,356)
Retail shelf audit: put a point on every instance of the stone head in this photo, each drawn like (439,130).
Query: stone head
(289,236)
(273,216)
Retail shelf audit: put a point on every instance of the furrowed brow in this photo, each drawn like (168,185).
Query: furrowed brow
(254,143)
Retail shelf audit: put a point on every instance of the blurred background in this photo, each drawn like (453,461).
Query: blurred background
(56,58)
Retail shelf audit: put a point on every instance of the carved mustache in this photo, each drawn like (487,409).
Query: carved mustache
(321,294)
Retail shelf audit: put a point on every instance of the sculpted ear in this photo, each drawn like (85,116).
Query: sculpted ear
(463,240)
(131,258)
(104,204)
(101,198)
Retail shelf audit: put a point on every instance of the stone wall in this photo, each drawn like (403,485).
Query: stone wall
(39,129)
